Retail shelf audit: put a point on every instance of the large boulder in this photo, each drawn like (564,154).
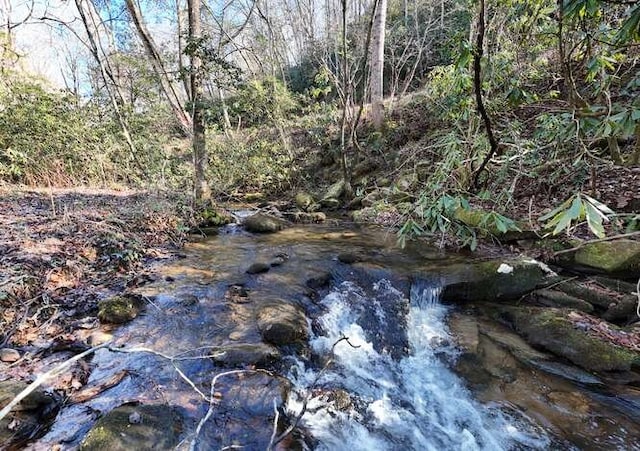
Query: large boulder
(262,223)
(613,257)
(494,280)
(131,427)
(569,335)
(305,202)
(282,323)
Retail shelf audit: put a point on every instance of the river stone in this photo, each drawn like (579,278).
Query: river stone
(258,268)
(282,323)
(551,329)
(119,309)
(262,223)
(159,428)
(242,354)
(9,355)
(30,417)
(618,257)
(494,280)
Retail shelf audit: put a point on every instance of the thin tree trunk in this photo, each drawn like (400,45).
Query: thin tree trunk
(158,67)
(477,83)
(115,96)
(346,174)
(200,159)
(377,64)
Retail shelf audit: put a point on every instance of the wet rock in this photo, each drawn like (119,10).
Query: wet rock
(349,257)
(159,427)
(568,372)
(614,257)
(245,409)
(189,300)
(553,298)
(212,218)
(237,293)
(307,218)
(258,268)
(495,280)
(622,310)
(9,355)
(591,291)
(243,354)
(330,203)
(281,323)
(320,281)
(552,329)
(279,259)
(262,223)
(119,309)
(465,330)
(30,418)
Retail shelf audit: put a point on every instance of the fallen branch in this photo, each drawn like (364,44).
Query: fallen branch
(599,240)
(43,377)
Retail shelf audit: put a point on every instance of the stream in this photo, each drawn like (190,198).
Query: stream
(382,370)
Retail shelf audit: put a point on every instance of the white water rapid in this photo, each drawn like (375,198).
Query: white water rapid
(410,402)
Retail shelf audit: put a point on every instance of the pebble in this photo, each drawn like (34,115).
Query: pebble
(135,418)
(235,336)
(9,355)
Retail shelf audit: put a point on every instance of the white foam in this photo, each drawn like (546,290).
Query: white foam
(414,402)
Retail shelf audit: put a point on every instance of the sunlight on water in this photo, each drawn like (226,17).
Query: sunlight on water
(414,402)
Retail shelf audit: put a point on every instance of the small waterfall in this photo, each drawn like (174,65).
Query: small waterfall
(414,402)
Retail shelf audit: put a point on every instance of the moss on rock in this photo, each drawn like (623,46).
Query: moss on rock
(131,427)
(620,256)
(119,309)
(552,329)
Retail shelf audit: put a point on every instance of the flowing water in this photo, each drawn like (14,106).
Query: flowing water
(379,372)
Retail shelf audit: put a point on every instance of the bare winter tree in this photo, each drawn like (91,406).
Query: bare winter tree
(377,63)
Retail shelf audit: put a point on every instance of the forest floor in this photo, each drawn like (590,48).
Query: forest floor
(63,250)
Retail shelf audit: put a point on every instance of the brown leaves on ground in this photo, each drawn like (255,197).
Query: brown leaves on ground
(62,249)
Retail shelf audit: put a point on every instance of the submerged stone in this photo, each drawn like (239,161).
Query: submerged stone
(258,268)
(243,354)
(155,427)
(282,323)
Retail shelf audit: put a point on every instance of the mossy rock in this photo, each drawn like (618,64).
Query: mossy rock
(553,298)
(613,257)
(494,280)
(335,191)
(477,219)
(213,217)
(131,427)
(305,202)
(262,223)
(552,329)
(119,309)
(282,323)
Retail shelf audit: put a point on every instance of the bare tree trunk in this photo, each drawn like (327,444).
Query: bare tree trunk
(200,159)
(377,64)
(346,173)
(115,96)
(166,84)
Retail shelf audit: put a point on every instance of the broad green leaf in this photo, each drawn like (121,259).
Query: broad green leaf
(563,223)
(594,220)
(599,205)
